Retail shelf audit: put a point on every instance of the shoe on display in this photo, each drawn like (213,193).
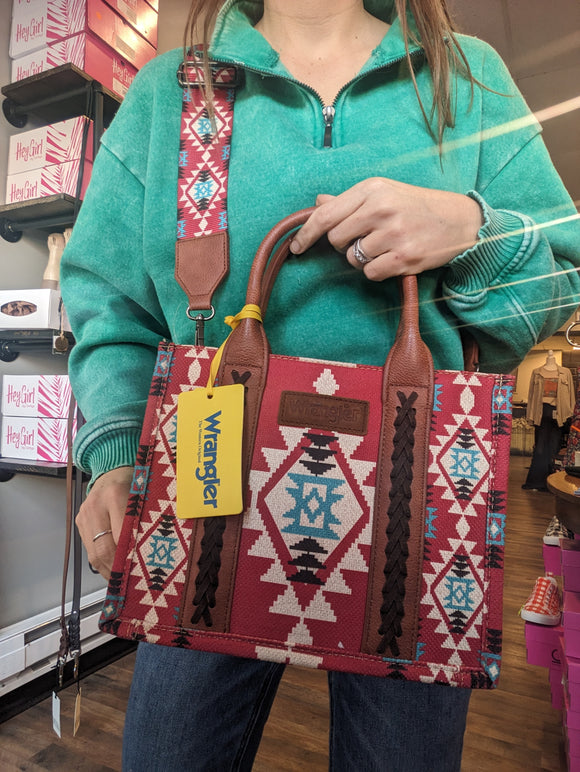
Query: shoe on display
(543,605)
(556,531)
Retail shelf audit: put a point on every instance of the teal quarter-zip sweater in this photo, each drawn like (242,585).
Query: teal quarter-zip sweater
(514,287)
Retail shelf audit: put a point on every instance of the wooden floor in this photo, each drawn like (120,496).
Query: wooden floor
(512,728)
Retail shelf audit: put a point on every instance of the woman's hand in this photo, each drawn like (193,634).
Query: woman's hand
(101,515)
(403,229)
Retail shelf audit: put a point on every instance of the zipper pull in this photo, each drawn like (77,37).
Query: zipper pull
(328,112)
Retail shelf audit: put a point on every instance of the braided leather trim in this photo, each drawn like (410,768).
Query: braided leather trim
(397,551)
(209,564)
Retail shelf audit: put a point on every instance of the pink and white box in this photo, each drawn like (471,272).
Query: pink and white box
(53,144)
(86,52)
(47,181)
(46,396)
(39,23)
(35,439)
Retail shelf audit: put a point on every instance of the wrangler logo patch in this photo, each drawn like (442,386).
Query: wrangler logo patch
(321,411)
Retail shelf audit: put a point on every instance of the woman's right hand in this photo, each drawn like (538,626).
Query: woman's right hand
(102,512)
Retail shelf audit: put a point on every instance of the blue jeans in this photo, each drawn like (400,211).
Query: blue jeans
(205,712)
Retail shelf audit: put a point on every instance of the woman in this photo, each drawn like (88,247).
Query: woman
(426,162)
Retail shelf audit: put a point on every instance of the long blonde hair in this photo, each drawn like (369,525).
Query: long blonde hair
(436,35)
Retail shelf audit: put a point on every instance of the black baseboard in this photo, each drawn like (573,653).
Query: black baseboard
(33,692)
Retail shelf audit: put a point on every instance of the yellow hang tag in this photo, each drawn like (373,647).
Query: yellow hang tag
(209,451)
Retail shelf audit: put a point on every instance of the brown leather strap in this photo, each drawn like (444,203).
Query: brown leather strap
(271,273)
(394,587)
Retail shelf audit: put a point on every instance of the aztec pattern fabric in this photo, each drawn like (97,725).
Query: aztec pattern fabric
(204,151)
(298,591)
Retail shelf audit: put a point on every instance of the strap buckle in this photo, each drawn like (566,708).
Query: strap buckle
(190,73)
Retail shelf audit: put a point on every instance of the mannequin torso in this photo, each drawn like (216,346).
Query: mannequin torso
(550,372)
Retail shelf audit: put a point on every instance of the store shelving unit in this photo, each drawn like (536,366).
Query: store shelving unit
(55,95)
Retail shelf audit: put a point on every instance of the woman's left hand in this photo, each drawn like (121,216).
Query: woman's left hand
(405,229)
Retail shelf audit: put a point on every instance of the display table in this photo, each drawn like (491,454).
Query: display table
(563,485)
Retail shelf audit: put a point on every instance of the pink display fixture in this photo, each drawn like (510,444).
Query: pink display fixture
(570,558)
(85,51)
(556,689)
(571,623)
(571,678)
(542,644)
(572,737)
(551,556)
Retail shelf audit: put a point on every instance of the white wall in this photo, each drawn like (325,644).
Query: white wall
(172,18)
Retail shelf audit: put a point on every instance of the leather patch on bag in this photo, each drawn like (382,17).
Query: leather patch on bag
(321,411)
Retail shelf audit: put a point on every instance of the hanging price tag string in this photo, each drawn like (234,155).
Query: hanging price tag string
(249,311)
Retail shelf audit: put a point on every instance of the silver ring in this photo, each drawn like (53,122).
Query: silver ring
(199,316)
(359,253)
(101,533)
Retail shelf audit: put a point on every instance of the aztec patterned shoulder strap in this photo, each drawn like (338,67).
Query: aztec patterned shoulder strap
(202,253)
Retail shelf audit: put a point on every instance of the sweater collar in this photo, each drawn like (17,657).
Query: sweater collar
(235,40)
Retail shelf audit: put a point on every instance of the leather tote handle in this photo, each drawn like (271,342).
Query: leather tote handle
(408,351)
(247,350)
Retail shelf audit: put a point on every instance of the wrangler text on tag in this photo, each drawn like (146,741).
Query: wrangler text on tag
(207,473)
